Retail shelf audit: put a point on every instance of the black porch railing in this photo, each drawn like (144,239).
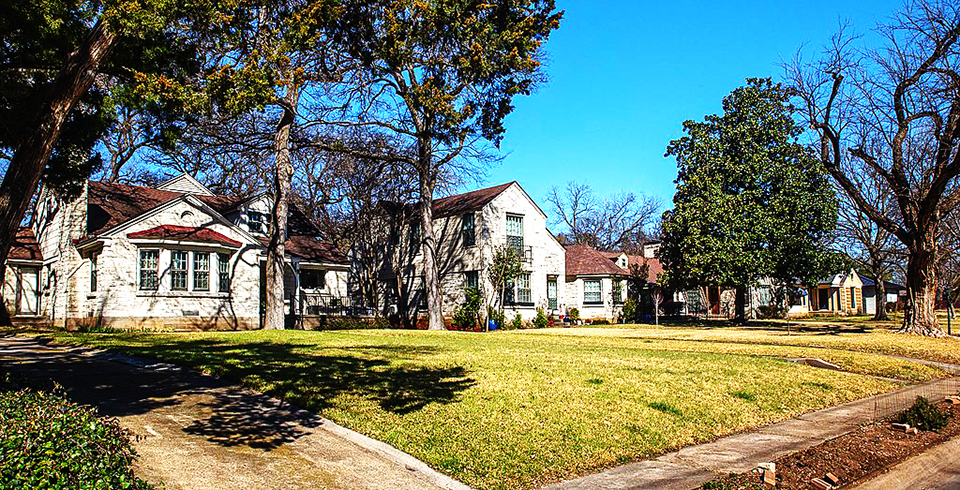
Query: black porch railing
(525,252)
(320,304)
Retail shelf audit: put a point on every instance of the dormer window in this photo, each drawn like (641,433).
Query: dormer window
(256,222)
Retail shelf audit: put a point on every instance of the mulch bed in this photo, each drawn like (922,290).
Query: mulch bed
(853,457)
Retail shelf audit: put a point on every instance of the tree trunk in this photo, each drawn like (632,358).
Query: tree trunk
(740,304)
(31,154)
(881,292)
(920,317)
(431,276)
(283,173)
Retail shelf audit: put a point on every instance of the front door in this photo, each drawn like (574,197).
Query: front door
(552,293)
(29,293)
(823,299)
(713,296)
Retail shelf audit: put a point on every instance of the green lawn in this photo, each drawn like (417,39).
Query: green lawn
(518,409)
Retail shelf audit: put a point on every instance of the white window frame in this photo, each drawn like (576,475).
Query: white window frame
(185,270)
(141,269)
(524,292)
(197,271)
(588,294)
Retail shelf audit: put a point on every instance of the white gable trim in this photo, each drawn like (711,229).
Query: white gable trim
(169,185)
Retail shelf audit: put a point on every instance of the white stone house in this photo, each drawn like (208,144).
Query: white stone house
(469,227)
(172,257)
(595,282)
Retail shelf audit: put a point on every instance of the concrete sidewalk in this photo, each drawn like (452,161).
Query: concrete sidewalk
(198,432)
(693,466)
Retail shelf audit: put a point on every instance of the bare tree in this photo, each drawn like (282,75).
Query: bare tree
(896,110)
(617,222)
(872,247)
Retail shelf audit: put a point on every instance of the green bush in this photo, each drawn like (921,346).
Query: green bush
(517,322)
(600,321)
(466,315)
(47,441)
(497,317)
(630,307)
(574,314)
(923,415)
(541,320)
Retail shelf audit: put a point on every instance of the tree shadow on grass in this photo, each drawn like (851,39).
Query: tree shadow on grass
(315,378)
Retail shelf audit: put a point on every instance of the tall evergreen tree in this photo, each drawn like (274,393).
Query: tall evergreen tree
(751,201)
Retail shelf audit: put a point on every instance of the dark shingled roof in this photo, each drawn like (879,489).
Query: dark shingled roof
(586,260)
(450,205)
(468,201)
(186,233)
(314,250)
(25,246)
(109,205)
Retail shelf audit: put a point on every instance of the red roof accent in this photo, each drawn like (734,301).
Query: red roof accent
(586,260)
(185,233)
(25,246)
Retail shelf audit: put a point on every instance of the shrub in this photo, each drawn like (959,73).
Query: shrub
(923,415)
(466,315)
(600,321)
(630,307)
(517,322)
(47,441)
(541,320)
(574,314)
(497,317)
(352,323)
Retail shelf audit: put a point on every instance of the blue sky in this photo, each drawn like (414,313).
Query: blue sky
(624,75)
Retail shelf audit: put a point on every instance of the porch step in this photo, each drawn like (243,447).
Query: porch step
(30,321)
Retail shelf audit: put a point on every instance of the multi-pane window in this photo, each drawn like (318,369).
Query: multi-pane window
(179,261)
(256,222)
(592,291)
(93,273)
(515,232)
(617,291)
(149,262)
(468,230)
(523,288)
(471,279)
(223,273)
(201,271)
(552,293)
(312,279)
(413,235)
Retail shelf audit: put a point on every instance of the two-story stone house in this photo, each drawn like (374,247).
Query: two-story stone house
(174,256)
(469,227)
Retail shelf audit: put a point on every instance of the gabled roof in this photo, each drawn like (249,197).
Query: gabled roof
(887,285)
(185,234)
(186,184)
(314,250)
(468,201)
(25,246)
(109,205)
(586,260)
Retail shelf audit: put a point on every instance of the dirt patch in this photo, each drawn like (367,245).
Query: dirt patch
(853,457)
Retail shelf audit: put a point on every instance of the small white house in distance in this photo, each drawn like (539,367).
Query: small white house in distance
(594,282)
(469,227)
(172,257)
